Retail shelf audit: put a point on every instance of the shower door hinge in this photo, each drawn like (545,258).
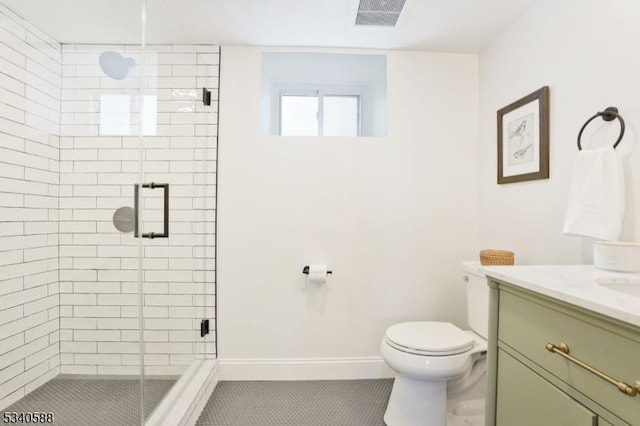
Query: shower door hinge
(204,327)
(206,96)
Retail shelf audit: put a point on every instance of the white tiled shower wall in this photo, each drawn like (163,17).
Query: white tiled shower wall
(57,198)
(98,264)
(29,173)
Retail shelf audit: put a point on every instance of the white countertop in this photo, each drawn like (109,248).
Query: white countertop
(578,285)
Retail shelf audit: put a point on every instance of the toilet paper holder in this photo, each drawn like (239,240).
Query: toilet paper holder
(305,270)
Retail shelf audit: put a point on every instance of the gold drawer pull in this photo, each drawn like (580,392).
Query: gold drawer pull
(563,351)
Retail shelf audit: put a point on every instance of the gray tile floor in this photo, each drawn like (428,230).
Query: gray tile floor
(298,403)
(88,402)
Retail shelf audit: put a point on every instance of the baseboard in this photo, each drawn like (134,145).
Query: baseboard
(304,369)
(186,399)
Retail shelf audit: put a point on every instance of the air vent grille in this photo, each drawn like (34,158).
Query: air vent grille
(379,12)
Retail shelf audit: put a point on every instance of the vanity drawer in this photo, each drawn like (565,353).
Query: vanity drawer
(521,391)
(528,327)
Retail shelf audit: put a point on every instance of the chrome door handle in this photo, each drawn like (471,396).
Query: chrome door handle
(136,196)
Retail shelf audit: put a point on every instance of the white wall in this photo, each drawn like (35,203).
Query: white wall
(29,152)
(586,51)
(393,217)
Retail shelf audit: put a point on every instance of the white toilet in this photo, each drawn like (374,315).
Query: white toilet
(440,369)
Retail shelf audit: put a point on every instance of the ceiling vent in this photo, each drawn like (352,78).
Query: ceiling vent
(383,13)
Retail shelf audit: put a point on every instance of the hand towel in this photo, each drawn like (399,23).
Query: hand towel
(596,196)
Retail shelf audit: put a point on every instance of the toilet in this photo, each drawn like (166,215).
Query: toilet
(440,369)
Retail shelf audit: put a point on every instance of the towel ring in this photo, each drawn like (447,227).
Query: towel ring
(609,114)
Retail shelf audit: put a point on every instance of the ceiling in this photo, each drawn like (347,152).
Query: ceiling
(437,25)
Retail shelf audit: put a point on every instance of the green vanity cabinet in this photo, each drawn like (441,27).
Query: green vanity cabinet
(536,346)
(526,399)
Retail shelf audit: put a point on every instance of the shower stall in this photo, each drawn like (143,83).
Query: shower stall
(107,226)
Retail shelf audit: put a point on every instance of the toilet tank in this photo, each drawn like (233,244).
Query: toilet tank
(477,298)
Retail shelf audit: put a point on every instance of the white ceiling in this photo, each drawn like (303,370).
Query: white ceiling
(438,25)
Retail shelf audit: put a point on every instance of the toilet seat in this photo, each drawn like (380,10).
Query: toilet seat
(428,338)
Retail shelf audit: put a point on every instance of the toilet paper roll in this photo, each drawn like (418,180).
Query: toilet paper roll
(317,274)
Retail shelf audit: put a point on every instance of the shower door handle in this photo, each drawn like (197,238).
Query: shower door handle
(136,194)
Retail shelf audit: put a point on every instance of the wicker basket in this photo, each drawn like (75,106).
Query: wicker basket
(496,257)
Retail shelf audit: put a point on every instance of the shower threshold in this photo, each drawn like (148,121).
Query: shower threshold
(185,401)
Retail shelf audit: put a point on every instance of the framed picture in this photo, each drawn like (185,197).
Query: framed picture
(523,138)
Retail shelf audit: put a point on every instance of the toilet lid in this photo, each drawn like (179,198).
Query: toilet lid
(429,338)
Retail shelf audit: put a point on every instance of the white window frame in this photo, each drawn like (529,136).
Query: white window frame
(320,92)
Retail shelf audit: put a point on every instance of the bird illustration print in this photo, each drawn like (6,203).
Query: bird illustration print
(520,139)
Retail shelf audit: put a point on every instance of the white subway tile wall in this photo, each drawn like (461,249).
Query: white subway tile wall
(98,168)
(30,92)
(68,278)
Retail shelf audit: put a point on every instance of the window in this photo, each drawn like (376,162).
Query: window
(341,115)
(116,115)
(323,94)
(319,113)
(298,115)
(115,112)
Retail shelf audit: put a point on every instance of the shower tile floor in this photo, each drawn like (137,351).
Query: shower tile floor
(298,403)
(94,402)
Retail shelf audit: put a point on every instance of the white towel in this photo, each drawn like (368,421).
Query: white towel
(596,196)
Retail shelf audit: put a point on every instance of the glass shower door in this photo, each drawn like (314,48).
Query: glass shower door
(178,272)
(107,220)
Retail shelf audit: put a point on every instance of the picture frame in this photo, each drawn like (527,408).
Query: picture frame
(523,138)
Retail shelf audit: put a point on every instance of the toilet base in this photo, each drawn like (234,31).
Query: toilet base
(416,402)
(467,413)
(453,420)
